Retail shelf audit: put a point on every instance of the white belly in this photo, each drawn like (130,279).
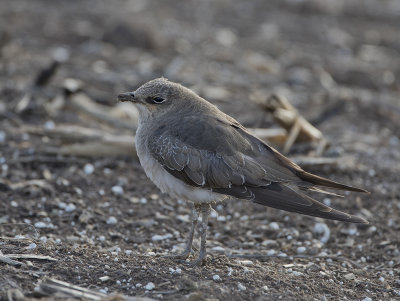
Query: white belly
(168,183)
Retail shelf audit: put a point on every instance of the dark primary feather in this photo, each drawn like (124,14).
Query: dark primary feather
(220,155)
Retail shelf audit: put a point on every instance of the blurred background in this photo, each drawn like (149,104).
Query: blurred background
(69,178)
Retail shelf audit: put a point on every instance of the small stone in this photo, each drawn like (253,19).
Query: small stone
(50,125)
(246,262)
(327,201)
(216,278)
(296,273)
(218,249)
(112,220)
(31,246)
(241,287)
(40,225)
(62,205)
(226,37)
(143,201)
(381,279)
(271,252)
(102,238)
(117,190)
(2,136)
(367,299)
(350,276)
(301,250)
(14,204)
(265,288)
(161,237)
(104,278)
(150,286)
(128,252)
(269,242)
(88,169)
(274,226)
(321,228)
(70,207)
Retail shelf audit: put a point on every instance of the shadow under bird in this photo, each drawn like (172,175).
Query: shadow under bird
(195,152)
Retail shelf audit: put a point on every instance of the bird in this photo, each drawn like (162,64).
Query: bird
(194,152)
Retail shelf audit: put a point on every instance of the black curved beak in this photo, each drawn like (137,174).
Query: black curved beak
(128,96)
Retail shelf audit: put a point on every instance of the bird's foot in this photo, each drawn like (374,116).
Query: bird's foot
(199,261)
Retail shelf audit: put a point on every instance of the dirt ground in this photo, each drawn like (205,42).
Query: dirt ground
(106,226)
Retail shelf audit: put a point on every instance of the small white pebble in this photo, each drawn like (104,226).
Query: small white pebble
(221,218)
(58,241)
(43,239)
(40,225)
(161,237)
(137,284)
(213,214)
(104,278)
(218,249)
(70,207)
(327,201)
(150,286)
(274,226)
(118,282)
(244,217)
(296,273)
(2,136)
(143,201)
(367,299)
(216,278)
(372,172)
(241,287)
(117,190)
(31,246)
(301,250)
(128,252)
(178,271)
(381,279)
(321,228)
(49,125)
(230,270)
(14,204)
(102,238)
(112,220)
(88,169)
(265,288)
(62,205)
(271,252)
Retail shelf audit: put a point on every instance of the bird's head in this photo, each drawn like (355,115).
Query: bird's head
(158,96)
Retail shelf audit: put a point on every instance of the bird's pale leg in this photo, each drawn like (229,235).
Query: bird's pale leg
(188,248)
(205,212)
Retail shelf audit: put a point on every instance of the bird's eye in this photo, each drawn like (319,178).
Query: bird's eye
(158,99)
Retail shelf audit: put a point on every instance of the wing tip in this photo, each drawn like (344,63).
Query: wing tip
(358,220)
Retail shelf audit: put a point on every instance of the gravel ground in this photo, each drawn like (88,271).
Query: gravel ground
(107,226)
